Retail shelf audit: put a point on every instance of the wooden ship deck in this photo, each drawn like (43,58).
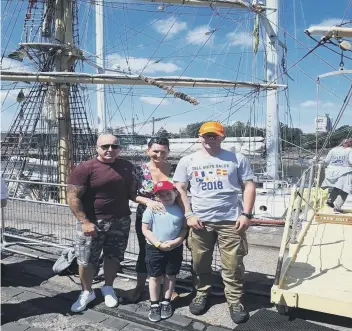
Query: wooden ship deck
(317,271)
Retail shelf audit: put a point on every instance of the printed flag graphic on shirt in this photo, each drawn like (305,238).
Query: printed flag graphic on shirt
(199,176)
(222,172)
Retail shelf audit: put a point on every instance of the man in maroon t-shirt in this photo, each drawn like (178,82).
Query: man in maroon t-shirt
(98,194)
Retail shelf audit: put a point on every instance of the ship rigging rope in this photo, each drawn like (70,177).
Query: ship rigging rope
(141,72)
(3,110)
(220,111)
(338,118)
(239,21)
(307,143)
(210,35)
(345,13)
(185,69)
(134,28)
(332,43)
(13,27)
(194,57)
(302,44)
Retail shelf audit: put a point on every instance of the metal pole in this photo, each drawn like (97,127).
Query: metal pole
(84,78)
(298,210)
(64,34)
(99,45)
(310,184)
(153,130)
(330,31)
(285,235)
(217,3)
(272,117)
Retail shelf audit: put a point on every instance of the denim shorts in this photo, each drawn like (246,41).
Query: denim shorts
(112,237)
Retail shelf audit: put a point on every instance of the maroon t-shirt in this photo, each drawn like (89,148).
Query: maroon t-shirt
(109,186)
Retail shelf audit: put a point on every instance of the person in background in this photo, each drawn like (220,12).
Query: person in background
(165,234)
(338,174)
(99,191)
(157,169)
(217,177)
(4,193)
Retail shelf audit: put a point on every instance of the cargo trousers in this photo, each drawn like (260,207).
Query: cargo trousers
(232,246)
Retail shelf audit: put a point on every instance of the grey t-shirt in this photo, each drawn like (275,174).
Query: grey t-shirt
(215,183)
(339,161)
(165,226)
(340,157)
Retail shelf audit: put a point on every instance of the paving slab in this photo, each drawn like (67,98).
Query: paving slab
(179,320)
(48,303)
(8,293)
(26,296)
(216,328)
(14,327)
(114,323)
(93,316)
(136,327)
(198,326)
(130,307)
(40,271)
(143,310)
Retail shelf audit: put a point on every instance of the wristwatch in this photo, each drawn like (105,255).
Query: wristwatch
(157,244)
(249,216)
(189,214)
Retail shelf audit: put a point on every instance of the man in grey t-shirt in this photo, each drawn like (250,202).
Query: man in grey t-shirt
(216,178)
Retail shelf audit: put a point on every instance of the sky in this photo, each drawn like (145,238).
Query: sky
(155,39)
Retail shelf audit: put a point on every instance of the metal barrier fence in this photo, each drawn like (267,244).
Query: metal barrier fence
(48,227)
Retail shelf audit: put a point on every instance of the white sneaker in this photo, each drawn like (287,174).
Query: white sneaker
(110,297)
(84,298)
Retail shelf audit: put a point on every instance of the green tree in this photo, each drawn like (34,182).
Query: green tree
(163,133)
(191,130)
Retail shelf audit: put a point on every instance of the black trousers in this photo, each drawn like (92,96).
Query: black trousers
(140,265)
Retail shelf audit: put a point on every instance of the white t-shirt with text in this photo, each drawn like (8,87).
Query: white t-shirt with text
(339,160)
(216,182)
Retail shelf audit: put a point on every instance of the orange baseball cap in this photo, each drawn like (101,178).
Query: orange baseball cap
(212,127)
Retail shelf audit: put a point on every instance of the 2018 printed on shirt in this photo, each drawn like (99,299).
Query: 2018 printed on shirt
(211,176)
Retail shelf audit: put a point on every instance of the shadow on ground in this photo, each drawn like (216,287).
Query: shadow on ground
(36,271)
(321,317)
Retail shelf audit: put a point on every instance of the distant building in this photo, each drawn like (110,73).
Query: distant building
(323,124)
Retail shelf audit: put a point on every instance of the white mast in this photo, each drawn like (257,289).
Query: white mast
(272,108)
(99,45)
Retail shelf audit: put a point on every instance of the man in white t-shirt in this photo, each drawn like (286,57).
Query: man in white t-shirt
(338,174)
(217,177)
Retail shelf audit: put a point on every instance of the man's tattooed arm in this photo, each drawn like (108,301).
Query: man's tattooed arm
(74,199)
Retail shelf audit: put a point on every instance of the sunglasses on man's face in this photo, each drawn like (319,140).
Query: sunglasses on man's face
(107,146)
(210,135)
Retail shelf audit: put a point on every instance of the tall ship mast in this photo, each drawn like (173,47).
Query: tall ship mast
(50,133)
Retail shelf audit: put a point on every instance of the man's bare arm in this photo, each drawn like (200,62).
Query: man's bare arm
(182,188)
(193,221)
(248,189)
(248,196)
(74,199)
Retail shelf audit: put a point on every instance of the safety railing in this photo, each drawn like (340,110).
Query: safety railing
(304,202)
(36,228)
